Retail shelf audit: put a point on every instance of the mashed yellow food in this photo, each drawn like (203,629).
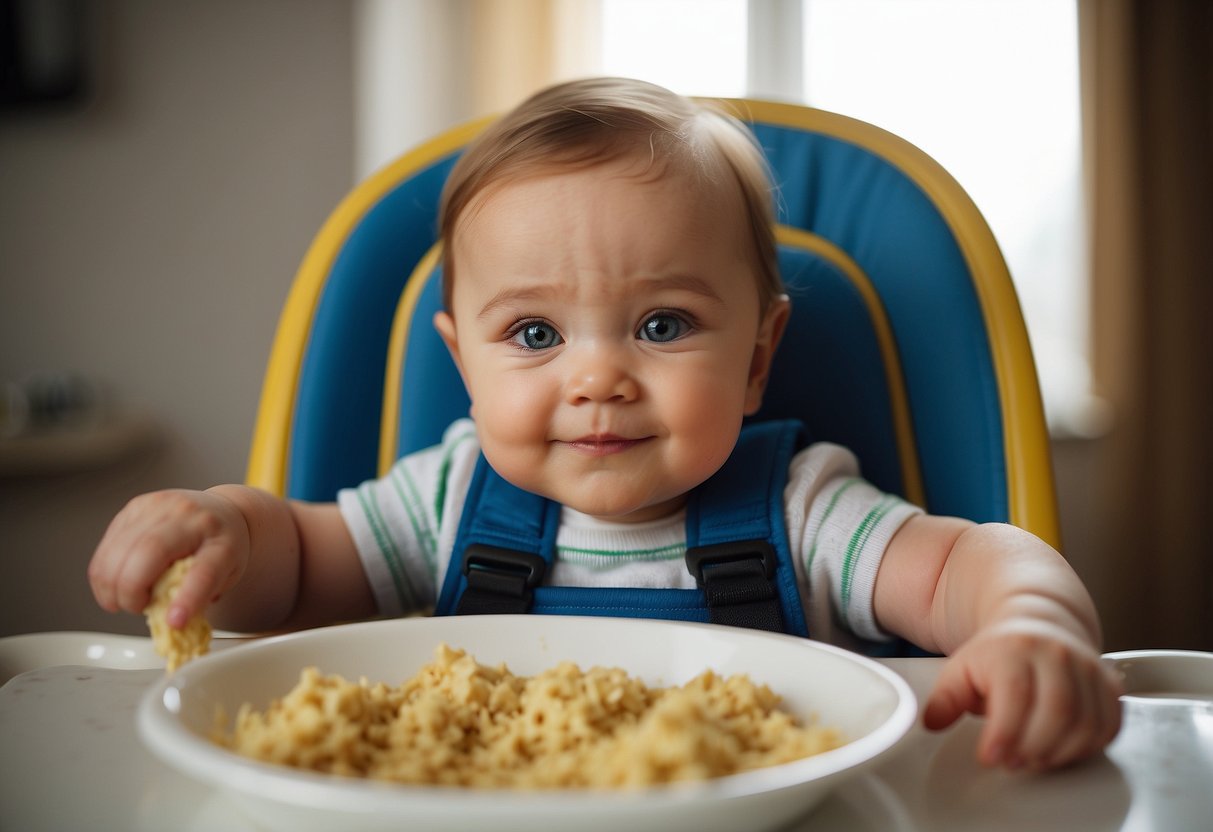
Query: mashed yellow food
(177,646)
(461,723)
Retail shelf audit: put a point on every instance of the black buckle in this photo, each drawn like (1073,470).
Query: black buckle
(530,567)
(738,583)
(499,580)
(720,553)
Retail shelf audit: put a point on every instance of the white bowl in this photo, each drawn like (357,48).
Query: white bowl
(1164,674)
(871,705)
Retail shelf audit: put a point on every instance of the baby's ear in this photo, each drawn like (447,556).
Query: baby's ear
(770,331)
(445,324)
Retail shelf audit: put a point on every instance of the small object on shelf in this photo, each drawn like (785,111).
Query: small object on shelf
(57,423)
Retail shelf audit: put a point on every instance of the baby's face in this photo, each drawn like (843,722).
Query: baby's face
(609,334)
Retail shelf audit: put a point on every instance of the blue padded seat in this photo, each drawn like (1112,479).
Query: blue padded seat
(907,343)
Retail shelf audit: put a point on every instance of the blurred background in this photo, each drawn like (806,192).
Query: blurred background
(164,166)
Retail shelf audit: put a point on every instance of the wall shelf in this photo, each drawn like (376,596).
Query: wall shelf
(68,449)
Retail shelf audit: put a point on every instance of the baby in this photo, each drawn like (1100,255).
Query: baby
(613,304)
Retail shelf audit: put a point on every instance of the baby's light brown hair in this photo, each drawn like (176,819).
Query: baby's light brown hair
(583,123)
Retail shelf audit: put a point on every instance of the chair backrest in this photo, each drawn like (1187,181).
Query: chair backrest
(906,341)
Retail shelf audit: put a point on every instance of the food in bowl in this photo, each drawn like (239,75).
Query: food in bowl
(460,723)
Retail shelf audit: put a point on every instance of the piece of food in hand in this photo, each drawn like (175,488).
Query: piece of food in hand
(177,646)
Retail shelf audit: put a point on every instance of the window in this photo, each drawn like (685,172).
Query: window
(989,89)
(695,47)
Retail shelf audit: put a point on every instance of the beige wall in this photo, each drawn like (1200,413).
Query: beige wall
(147,240)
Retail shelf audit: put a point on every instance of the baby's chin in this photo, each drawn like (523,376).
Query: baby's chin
(625,511)
(608,495)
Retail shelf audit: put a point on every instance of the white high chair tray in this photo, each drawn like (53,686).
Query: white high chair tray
(33,651)
(70,757)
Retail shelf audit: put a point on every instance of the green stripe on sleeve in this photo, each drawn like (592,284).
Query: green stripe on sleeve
(410,499)
(808,560)
(391,557)
(857,542)
(444,473)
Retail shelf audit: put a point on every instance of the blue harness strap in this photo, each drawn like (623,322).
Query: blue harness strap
(506,541)
(739,513)
(737,548)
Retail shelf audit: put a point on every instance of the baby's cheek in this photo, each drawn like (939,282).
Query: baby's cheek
(513,432)
(514,417)
(707,404)
(708,433)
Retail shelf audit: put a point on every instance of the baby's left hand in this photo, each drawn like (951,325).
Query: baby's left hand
(1047,698)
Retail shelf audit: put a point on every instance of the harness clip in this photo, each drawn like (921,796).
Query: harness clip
(499,580)
(528,566)
(700,557)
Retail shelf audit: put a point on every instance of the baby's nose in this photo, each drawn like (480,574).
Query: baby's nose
(601,375)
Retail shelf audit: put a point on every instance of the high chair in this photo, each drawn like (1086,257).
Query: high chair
(906,342)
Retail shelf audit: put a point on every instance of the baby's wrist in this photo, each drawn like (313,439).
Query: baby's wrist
(1043,617)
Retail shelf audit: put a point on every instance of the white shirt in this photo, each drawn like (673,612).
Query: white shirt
(404,526)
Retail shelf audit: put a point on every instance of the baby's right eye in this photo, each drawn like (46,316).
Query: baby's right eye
(537,335)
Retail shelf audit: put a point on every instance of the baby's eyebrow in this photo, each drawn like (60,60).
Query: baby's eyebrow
(680,282)
(513,295)
(644,285)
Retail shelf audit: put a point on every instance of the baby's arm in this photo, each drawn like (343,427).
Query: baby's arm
(264,562)
(1021,632)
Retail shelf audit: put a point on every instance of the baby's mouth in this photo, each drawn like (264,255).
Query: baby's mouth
(604,444)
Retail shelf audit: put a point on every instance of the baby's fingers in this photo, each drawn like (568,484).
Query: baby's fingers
(1063,720)
(952,697)
(1096,723)
(205,580)
(130,557)
(1009,701)
(101,581)
(147,557)
(107,561)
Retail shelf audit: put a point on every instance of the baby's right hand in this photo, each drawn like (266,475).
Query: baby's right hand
(156,529)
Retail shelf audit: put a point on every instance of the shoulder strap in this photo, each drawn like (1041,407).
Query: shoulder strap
(506,541)
(737,541)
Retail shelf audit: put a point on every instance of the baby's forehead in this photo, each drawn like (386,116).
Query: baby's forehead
(682,174)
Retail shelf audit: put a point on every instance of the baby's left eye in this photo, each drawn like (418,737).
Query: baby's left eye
(663,327)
